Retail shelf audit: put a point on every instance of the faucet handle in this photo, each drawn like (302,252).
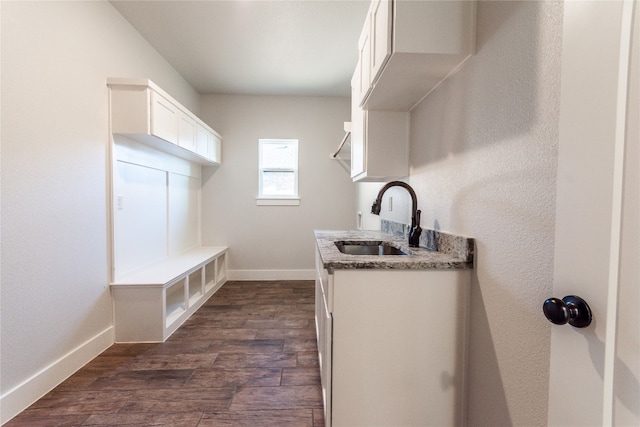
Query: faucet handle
(375,208)
(414,236)
(415,219)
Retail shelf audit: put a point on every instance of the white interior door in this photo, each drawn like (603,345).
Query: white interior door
(595,371)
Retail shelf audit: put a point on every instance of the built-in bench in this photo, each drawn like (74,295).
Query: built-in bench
(150,304)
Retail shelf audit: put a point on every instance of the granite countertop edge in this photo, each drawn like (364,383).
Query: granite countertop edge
(417,258)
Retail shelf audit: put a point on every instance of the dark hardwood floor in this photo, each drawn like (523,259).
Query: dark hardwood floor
(247,357)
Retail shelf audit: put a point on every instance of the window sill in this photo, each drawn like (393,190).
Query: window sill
(275,201)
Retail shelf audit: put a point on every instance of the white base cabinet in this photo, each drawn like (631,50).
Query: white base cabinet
(150,304)
(392,346)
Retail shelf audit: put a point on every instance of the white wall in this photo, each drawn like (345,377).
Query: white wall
(159,212)
(483,164)
(55,303)
(274,241)
(366,193)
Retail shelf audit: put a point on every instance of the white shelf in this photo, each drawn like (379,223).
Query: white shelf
(195,286)
(164,272)
(174,314)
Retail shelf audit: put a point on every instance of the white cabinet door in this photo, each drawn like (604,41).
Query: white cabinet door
(208,144)
(164,118)
(357,130)
(186,132)
(324,330)
(203,142)
(327,363)
(216,154)
(381,29)
(383,372)
(364,63)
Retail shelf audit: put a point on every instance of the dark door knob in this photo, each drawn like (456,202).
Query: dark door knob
(571,309)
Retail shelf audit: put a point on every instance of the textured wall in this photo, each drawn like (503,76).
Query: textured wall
(276,238)
(483,164)
(56,57)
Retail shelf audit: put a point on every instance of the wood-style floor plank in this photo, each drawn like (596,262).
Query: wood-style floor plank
(247,357)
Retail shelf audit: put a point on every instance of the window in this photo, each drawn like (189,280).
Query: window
(278,171)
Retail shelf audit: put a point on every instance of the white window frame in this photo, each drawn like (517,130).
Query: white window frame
(277,199)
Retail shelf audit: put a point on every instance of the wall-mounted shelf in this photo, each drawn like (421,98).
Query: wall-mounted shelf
(151,303)
(142,111)
(343,152)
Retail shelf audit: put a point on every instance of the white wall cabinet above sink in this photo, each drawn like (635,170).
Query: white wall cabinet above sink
(142,111)
(407,48)
(379,142)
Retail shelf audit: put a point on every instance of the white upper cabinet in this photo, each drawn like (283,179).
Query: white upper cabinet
(186,132)
(143,112)
(408,47)
(163,118)
(208,145)
(379,142)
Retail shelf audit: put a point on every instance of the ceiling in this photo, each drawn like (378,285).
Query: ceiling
(255,47)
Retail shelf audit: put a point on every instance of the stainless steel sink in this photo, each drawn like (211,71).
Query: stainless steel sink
(375,247)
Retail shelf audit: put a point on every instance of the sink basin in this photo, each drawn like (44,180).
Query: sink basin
(368,248)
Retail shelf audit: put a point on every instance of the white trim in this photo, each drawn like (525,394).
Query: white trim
(626,35)
(23,395)
(271,275)
(270,201)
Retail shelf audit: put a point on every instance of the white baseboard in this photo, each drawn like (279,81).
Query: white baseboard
(23,395)
(271,274)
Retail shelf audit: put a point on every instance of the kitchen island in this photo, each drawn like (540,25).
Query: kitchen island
(392,330)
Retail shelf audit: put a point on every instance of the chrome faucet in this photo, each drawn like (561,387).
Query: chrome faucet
(415,231)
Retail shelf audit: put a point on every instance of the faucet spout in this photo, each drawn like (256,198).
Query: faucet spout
(415,231)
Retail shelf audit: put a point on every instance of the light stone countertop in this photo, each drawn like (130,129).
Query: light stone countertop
(449,256)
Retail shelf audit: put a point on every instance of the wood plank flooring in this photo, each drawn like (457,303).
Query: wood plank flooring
(247,357)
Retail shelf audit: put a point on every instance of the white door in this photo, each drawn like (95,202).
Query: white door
(595,371)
